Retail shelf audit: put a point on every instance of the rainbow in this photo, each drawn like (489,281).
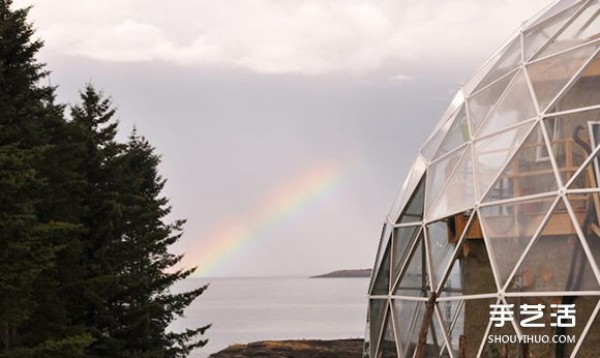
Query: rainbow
(230,239)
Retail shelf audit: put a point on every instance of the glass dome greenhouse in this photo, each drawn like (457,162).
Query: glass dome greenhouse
(492,248)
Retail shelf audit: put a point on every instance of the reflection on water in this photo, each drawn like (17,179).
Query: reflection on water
(251,309)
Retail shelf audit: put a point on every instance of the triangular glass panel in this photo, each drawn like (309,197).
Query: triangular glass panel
(403,240)
(450,276)
(432,145)
(443,237)
(570,140)
(472,328)
(433,142)
(482,102)
(382,280)
(586,208)
(415,279)
(406,318)
(453,286)
(556,262)
(515,105)
(525,309)
(414,208)
(479,74)
(471,271)
(590,346)
(509,228)
(438,174)
(551,11)
(588,177)
(466,322)
(508,61)
(492,154)
(413,179)
(377,310)
(548,77)
(535,37)
(495,348)
(384,242)
(453,320)
(435,338)
(459,192)
(435,335)
(580,30)
(457,101)
(529,172)
(585,90)
(457,134)
(387,346)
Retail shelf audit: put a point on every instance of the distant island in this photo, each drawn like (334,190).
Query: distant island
(346,274)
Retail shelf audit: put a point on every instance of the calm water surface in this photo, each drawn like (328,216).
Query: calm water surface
(251,309)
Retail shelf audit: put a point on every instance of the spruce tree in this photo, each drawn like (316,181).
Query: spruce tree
(95,287)
(22,252)
(84,263)
(148,273)
(31,230)
(124,292)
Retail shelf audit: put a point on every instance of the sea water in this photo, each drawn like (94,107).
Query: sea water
(243,310)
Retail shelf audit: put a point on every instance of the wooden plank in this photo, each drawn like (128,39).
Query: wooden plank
(507,226)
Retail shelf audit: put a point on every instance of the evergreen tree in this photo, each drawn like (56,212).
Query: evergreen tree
(30,230)
(95,286)
(84,263)
(151,307)
(124,294)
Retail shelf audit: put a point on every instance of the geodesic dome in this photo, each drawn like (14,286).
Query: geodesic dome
(502,207)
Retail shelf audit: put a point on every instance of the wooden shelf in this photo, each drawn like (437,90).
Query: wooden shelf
(509,226)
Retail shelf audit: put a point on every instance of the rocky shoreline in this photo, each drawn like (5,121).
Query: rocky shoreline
(341,348)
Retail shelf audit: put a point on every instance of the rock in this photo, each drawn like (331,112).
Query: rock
(342,348)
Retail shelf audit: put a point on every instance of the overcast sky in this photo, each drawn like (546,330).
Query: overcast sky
(286,127)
